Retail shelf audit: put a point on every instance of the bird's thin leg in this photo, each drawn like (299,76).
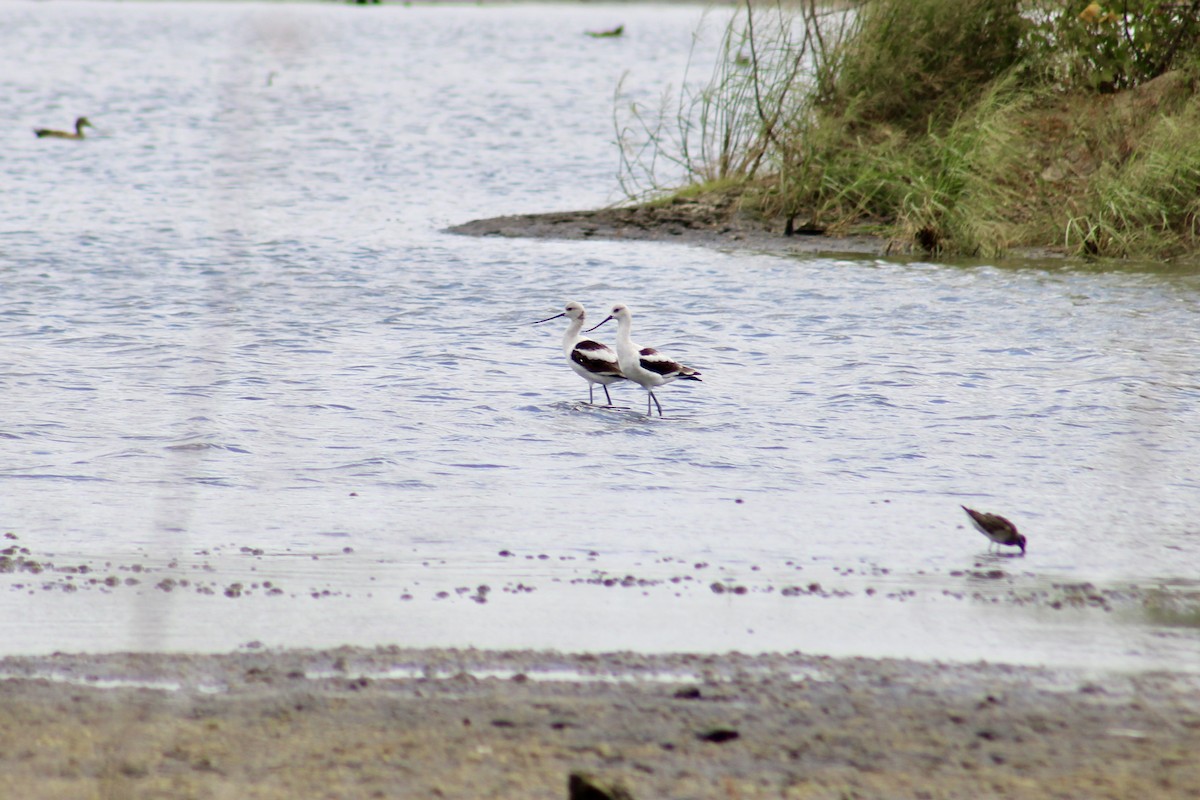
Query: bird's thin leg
(590,387)
(607,396)
(655,399)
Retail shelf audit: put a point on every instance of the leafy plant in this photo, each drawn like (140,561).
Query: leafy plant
(1119,45)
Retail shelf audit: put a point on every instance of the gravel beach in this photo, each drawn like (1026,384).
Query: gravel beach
(395,723)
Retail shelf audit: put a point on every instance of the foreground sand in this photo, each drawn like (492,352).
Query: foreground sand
(387,723)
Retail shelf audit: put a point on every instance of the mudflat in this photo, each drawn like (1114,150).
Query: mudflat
(397,723)
(706,221)
(710,220)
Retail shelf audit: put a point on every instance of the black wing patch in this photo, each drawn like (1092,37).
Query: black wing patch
(654,361)
(596,358)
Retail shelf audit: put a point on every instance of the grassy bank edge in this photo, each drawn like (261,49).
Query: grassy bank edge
(1006,159)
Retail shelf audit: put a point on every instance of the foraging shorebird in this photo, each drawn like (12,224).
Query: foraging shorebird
(996,528)
(593,361)
(644,365)
(80,124)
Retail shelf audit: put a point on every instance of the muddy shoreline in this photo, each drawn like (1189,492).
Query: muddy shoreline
(710,221)
(701,222)
(392,722)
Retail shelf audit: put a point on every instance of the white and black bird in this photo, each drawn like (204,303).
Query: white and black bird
(644,365)
(997,528)
(593,361)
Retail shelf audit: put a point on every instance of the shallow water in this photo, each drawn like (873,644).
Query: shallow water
(231,319)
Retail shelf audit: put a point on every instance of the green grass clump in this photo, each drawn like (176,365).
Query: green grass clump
(919,63)
(1149,200)
(944,190)
(1172,608)
(959,126)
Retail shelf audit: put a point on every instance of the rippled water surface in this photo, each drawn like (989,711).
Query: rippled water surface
(238,348)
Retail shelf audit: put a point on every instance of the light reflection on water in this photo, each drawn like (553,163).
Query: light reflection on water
(231,319)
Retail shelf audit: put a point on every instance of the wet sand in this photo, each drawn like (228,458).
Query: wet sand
(389,722)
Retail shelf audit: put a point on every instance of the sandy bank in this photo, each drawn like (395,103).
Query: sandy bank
(388,722)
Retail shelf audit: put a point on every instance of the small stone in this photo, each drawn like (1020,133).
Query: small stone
(583,786)
(718,735)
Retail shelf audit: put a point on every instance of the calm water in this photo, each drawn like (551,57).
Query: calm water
(230,320)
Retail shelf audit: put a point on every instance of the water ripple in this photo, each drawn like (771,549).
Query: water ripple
(235,306)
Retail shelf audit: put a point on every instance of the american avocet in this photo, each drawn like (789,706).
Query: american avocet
(80,124)
(644,365)
(996,528)
(593,361)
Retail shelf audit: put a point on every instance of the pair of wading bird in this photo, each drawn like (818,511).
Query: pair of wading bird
(597,363)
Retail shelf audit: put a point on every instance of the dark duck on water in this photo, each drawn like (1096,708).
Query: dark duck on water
(80,124)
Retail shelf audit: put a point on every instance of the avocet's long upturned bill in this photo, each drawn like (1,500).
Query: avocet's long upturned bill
(644,365)
(593,361)
(996,528)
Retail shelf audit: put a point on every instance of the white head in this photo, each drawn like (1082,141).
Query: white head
(572,311)
(620,312)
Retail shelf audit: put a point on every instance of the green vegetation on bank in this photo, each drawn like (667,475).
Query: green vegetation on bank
(949,126)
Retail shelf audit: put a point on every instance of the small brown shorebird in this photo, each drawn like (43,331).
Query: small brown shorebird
(80,124)
(996,528)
